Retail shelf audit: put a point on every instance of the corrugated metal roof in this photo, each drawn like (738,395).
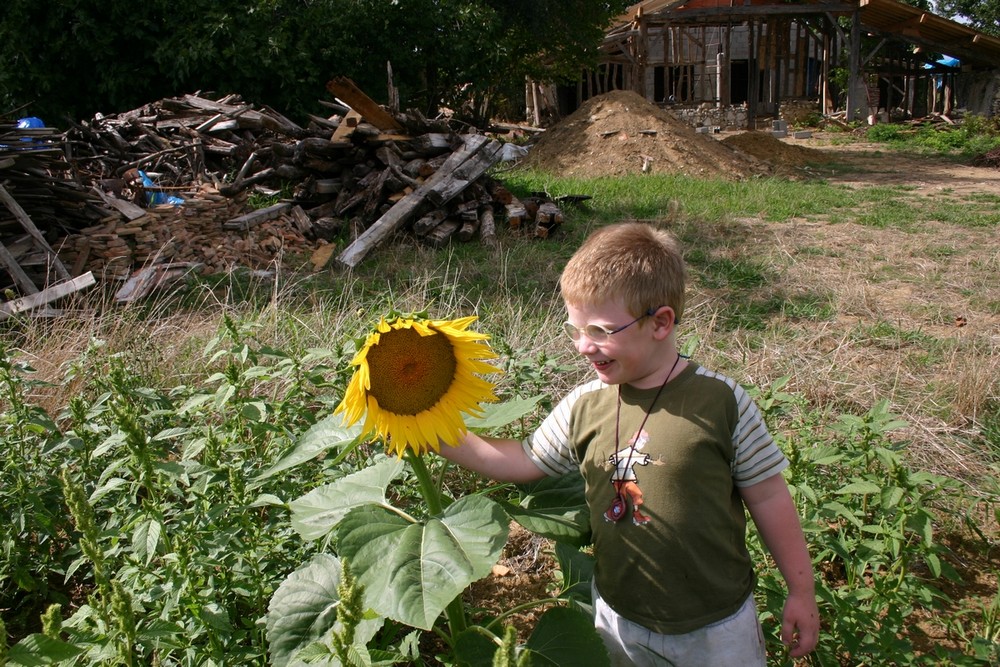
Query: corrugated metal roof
(931,32)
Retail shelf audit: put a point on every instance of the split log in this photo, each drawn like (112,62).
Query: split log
(441,235)
(516,212)
(487,227)
(468,229)
(428,222)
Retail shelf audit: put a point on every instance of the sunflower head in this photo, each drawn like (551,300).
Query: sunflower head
(413,379)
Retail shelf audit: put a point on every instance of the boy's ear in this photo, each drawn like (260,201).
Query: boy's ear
(664,320)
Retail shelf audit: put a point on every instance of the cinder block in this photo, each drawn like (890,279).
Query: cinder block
(779,125)
(703,130)
(779,134)
(802,134)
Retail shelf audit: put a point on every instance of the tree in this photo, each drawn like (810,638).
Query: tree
(983,15)
(73,58)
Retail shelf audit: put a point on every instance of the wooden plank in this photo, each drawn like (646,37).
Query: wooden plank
(347,127)
(344,89)
(48,295)
(21,278)
(126,208)
(254,218)
(29,227)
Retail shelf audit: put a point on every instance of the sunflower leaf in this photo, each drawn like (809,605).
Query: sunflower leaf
(304,609)
(325,434)
(498,415)
(556,508)
(411,571)
(566,637)
(318,512)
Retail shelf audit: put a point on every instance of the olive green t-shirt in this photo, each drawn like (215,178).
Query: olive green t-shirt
(671,554)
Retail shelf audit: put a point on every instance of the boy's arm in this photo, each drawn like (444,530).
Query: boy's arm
(502,460)
(774,514)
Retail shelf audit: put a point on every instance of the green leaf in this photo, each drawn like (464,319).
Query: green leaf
(323,435)
(216,617)
(106,488)
(145,539)
(318,512)
(556,508)
(859,489)
(411,571)
(474,649)
(498,415)
(193,402)
(171,433)
(304,610)
(577,572)
(39,649)
(566,637)
(254,411)
(891,497)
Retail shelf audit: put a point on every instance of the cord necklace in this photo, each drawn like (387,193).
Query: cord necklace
(617,509)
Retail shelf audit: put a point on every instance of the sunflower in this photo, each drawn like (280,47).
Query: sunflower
(414,378)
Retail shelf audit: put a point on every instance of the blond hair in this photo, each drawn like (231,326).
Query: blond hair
(632,261)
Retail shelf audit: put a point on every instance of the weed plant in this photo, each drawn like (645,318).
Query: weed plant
(155,458)
(974,135)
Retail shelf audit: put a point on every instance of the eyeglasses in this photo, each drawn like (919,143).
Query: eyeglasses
(598,334)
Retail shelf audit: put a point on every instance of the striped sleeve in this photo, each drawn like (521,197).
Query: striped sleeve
(549,446)
(757,457)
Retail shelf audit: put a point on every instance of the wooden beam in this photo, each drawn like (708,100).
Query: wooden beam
(345,90)
(29,227)
(21,278)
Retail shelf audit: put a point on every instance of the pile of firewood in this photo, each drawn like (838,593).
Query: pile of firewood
(173,181)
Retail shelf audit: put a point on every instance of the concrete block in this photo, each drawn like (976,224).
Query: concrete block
(802,134)
(779,134)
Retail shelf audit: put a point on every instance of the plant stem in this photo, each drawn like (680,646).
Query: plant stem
(457,621)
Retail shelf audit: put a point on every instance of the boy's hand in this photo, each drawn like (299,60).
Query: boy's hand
(800,624)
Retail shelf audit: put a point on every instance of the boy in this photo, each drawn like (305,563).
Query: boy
(671,453)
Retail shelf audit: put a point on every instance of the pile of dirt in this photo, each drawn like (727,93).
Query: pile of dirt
(622,133)
(765,146)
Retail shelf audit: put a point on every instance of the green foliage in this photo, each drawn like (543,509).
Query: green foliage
(869,520)
(75,59)
(177,552)
(975,136)
(982,15)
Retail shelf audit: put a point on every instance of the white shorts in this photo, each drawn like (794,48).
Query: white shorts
(736,641)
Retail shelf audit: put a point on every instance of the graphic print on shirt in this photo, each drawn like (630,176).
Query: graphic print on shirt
(626,482)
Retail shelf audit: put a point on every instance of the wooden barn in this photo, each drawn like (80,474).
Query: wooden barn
(875,59)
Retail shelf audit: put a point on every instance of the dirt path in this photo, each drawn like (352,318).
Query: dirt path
(864,163)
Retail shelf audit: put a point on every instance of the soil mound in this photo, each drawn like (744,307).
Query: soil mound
(765,146)
(622,133)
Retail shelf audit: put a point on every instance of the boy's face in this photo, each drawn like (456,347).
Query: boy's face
(635,355)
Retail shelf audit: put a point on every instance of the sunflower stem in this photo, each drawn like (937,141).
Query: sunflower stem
(457,621)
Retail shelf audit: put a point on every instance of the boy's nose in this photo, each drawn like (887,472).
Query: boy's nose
(584,345)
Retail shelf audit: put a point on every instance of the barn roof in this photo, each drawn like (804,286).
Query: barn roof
(892,18)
